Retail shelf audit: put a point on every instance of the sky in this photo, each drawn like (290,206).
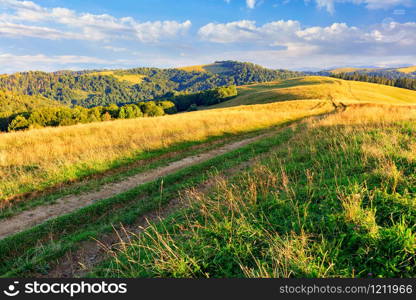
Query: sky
(52,35)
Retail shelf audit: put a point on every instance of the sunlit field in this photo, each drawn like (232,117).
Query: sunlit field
(337,200)
(36,159)
(130,78)
(315,87)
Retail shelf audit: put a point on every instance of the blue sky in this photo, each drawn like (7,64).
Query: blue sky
(295,34)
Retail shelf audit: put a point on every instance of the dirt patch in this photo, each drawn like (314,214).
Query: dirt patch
(70,203)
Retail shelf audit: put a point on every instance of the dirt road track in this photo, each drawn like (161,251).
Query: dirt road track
(70,203)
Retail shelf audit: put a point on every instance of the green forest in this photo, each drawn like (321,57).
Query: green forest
(54,115)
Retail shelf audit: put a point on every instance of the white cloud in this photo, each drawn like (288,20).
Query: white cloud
(115,49)
(387,39)
(251,3)
(245,30)
(20,30)
(84,25)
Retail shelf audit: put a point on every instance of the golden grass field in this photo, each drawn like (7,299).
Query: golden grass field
(407,70)
(323,88)
(216,68)
(36,159)
(347,70)
(130,78)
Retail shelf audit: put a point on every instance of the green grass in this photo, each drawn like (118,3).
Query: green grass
(32,250)
(151,159)
(338,200)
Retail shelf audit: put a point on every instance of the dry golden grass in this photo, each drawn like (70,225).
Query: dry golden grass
(216,68)
(33,160)
(407,70)
(347,70)
(130,78)
(197,68)
(316,87)
(381,115)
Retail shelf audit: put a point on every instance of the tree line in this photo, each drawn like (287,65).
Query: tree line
(187,102)
(64,115)
(402,82)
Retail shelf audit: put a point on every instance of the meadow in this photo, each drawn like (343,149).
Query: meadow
(325,189)
(36,159)
(323,88)
(335,200)
(130,78)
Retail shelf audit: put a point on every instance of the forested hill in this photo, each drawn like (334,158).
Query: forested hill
(94,88)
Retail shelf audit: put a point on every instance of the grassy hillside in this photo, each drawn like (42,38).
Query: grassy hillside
(336,200)
(61,154)
(36,159)
(347,70)
(332,196)
(130,78)
(407,70)
(315,87)
(215,68)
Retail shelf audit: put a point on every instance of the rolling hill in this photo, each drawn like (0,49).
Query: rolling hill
(316,87)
